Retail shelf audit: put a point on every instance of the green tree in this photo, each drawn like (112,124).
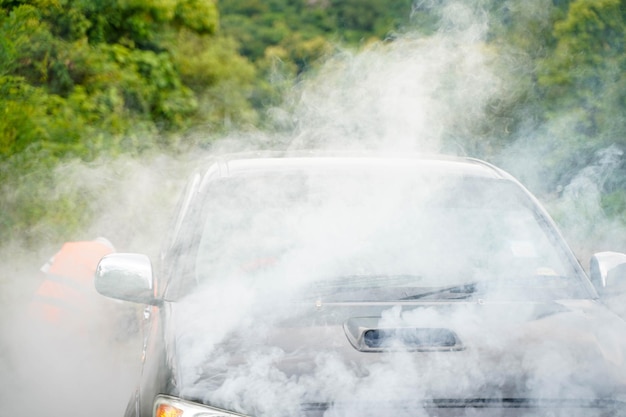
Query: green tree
(582,87)
(585,76)
(82,78)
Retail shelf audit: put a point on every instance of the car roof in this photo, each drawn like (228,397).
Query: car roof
(255,163)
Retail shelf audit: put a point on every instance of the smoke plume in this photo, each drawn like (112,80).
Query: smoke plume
(412,93)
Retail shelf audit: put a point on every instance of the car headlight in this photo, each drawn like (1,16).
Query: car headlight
(166,406)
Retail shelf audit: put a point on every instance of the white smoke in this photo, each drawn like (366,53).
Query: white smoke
(89,366)
(579,207)
(246,346)
(412,94)
(403,95)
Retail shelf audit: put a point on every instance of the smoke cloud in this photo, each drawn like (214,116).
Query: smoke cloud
(409,94)
(279,334)
(406,95)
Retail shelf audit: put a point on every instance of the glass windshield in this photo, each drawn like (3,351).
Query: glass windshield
(360,237)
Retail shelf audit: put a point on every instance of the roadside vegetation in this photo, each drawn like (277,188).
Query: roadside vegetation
(89,79)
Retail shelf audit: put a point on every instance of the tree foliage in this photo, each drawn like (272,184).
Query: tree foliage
(289,24)
(83,78)
(581,83)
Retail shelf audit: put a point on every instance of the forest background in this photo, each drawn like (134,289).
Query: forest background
(96,80)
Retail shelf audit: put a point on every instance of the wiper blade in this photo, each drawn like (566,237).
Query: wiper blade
(459,291)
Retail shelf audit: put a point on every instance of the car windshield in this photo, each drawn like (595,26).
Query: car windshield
(364,237)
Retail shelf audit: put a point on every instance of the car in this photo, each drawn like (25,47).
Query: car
(355,283)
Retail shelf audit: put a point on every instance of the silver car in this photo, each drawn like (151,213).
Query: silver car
(360,284)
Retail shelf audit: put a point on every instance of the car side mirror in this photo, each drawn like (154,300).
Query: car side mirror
(608,272)
(126,276)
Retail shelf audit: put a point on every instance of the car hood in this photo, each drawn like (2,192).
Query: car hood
(279,359)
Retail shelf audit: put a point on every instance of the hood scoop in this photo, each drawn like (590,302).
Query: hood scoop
(366,335)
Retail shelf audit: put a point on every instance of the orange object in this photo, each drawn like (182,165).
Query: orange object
(164,410)
(78,260)
(67,291)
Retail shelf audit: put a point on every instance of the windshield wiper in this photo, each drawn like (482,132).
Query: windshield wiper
(455,292)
